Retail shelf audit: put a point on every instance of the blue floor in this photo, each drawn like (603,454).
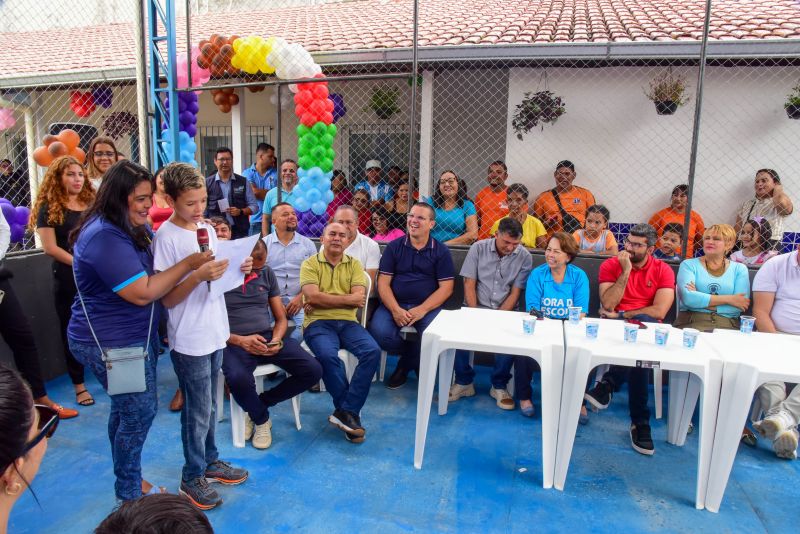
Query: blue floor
(482,473)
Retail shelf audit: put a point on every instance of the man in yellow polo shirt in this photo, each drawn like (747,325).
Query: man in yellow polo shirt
(333,286)
(534,234)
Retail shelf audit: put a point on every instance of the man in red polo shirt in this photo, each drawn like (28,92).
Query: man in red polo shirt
(639,287)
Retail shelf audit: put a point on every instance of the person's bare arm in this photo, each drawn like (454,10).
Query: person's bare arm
(265,220)
(318,299)
(783,204)
(512,300)
(400,316)
(209,272)
(373,276)
(149,288)
(468,237)
(541,241)
(51,248)
(611,293)
(662,302)
(762,307)
(258,192)
(281,323)
(470,293)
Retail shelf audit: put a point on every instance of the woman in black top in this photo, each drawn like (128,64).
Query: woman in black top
(65,193)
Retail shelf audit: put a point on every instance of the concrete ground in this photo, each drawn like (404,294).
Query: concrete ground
(482,473)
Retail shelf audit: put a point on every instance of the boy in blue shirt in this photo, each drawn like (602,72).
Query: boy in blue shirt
(670,243)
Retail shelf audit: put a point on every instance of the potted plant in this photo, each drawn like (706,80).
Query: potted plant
(792,105)
(384,102)
(540,107)
(667,92)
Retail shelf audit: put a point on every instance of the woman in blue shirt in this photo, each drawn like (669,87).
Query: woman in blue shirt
(113,266)
(456,218)
(552,288)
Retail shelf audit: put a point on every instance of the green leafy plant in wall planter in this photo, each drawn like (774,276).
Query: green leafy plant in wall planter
(667,92)
(541,107)
(792,105)
(383,102)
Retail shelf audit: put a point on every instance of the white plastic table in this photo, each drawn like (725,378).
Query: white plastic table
(691,372)
(490,331)
(750,360)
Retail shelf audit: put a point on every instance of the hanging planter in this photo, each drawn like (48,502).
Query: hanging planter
(667,92)
(792,105)
(384,102)
(537,108)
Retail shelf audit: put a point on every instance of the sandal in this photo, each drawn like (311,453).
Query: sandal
(154,490)
(748,438)
(86,401)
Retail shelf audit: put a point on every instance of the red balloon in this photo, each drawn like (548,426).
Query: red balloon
(321,91)
(309,120)
(327,117)
(317,107)
(329,105)
(300,110)
(303,98)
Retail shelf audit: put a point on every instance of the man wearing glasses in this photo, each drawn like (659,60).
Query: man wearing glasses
(415,278)
(230,195)
(637,287)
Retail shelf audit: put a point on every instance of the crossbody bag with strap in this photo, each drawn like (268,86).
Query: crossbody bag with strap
(568,222)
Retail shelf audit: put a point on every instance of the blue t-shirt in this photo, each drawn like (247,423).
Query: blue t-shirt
(552,299)
(735,280)
(451,223)
(268,181)
(105,261)
(416,273)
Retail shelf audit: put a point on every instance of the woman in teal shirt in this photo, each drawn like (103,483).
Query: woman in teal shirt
(456,218)
(552,288)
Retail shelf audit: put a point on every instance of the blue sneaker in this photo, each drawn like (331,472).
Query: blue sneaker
(225,473)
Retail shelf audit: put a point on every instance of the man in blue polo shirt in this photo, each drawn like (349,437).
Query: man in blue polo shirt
(263,176)
(415,278)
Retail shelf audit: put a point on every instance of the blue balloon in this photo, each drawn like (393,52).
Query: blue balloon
(319,207)
(301,173)
(324,184)
(327,196)
(304,180)
(300,204)
(315,172)
(329,175)
(313,196)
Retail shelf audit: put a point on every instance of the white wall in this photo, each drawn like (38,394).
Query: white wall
(630,157)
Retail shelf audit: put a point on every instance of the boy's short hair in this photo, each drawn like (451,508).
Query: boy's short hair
(216,221)
(675,228)
(180,177)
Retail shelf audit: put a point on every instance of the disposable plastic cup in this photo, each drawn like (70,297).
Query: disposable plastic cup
(528,325)
(575,314)
(746,324)
(631,333)
(662,335)
(592,328)
(690,337)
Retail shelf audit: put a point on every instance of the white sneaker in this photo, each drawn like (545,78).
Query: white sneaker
(262,437)
(775,423)
(785,445)
(457,391)
(504,400)
(248,427)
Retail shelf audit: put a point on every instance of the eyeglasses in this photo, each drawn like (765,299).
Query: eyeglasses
(635,245)
(105,154)
(225,159)
(48,422)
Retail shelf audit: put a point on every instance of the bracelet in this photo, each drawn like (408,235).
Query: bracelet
(280,344)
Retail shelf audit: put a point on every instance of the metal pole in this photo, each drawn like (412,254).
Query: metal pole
(274,81)
(278,141)
(696,130)
(412,138)
(141,87)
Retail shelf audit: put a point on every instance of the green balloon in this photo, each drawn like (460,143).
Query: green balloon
(330,154)
(302,130)
(303,161)
(332,129)
(327,140)
(319,128)
(326,165)
(318,152)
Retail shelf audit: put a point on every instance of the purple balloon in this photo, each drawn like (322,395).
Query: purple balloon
(103,96)
(9,213)
(17,233)
(4,200)
(22,214)
(194,107)
(309,224)
(181,106)
(187,117)
(191,130)
(339,109)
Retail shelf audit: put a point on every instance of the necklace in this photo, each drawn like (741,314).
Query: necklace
(717,272)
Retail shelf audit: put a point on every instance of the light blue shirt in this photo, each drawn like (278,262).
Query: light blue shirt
(271,200)
(385,191)
(451,223)
(734,280)
(554,299)
(268,181)
(285,261)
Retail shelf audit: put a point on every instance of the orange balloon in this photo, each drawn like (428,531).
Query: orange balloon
(57,148)
(42,156)
(78,154)
(70,138)
(49,139)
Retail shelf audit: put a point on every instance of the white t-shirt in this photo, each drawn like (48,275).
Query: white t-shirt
(781,275)
(198,325)
(96,182)
(365,250)
(763,207)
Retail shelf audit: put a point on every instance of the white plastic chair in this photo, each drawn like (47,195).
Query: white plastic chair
(384,355)
(237,413)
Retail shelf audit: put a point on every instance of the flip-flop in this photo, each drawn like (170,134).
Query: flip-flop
(84,402)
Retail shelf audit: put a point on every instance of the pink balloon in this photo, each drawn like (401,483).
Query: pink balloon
(199,75)
(7,119)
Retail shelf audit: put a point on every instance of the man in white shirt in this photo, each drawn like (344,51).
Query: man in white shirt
(776,307)
(359,246)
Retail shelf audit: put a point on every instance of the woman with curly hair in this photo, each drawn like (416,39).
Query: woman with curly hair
(64,194)
(456,218)
(101,156)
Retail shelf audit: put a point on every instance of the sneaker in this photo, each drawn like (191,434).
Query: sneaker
(248,427)
(354,439)
(225,473)
(398,378)
(599,396)
(200,494)
(641,439)
(457,391)
(775,423)
(504,400)
(785,445)
(262,437)
(347,422)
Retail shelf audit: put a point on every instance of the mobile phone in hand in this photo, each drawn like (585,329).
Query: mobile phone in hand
(642,326)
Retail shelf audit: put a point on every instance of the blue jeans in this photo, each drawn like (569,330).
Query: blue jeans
(325,338)
(255,228)
(501,372)
(387,334)
(129,420)
(197,377)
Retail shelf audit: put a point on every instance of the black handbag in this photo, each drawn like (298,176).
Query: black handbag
(569,223)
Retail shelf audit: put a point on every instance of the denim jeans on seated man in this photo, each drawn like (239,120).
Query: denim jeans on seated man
(197,378)
(638,379)
(325,338)
(255,228)
(501,372)
(387,334)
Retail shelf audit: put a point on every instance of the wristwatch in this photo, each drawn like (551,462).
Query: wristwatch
(621,314)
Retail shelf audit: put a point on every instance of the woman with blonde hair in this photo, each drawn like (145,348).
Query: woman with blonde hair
(102,154)
(64,194)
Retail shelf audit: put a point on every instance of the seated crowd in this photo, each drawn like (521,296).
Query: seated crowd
(298,306)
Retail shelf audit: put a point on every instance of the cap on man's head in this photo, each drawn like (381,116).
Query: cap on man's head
(373,164)
(566,163)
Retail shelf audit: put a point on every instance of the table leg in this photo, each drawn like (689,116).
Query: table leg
(678,384)
(446,361)
(427,377)
(552,369)
(709,405)
(693,388)
(577,366)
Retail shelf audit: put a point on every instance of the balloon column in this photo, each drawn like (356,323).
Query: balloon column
(188,107)
(186,146)
(200,75)
(63,144)
(7,119)
(17,219)
(82,104)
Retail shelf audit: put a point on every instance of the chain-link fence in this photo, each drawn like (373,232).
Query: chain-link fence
(503,93)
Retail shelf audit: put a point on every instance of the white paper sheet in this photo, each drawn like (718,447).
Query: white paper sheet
(235,252)
(223,205)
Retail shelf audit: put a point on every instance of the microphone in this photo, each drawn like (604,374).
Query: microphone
(202,240)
